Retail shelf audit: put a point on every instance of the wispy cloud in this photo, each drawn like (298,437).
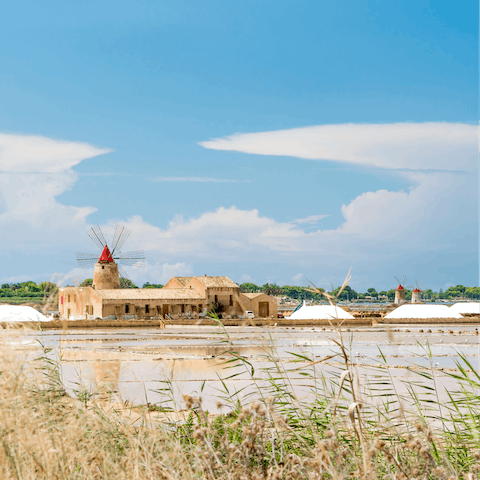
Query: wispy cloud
(310,219)
(34,154)
(198,180)
(415,146)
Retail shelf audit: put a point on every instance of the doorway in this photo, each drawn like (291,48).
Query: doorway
(263,309)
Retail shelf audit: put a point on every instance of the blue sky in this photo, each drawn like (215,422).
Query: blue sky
(241,138)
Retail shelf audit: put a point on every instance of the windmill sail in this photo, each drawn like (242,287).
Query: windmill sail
(86,259)
(134,259)
(131,258)
(120,237)
(95,233)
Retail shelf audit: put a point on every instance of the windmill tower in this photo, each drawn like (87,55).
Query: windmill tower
(400,291)
(417,294)
(107,271)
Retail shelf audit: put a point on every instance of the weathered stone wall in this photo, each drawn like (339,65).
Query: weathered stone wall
(105,276)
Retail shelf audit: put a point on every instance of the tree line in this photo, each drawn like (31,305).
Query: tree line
(31,291)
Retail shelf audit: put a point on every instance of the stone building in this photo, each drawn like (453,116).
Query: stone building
(189,296)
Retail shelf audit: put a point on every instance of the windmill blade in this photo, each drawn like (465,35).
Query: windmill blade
(136,259)
(397,279)
(86,259)
(95,233)
(120,237)
(123,274)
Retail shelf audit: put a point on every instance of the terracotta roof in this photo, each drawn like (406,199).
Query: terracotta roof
(182,280)
(253,295)
(217,282)
(149,294)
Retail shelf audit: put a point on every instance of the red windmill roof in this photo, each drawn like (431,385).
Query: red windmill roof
(400,288)
(416,290)
(106,256)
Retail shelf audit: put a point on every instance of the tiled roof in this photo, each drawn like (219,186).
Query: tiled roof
(149,294)
(182,280)
(217,282)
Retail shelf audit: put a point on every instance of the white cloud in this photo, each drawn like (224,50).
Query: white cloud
(436,214)
(298,279)
(418,146)
(198,180)
(159,273)
(310,219)
(34,153)
(35,171)
(245,278)
(377,226)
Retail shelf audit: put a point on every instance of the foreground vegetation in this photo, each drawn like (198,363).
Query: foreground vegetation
(346,428)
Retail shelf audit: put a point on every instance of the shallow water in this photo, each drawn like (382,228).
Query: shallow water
(150,365)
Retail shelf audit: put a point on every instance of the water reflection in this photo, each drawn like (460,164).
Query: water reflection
(160,366)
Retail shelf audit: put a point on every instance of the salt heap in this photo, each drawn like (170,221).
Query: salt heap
(412,310)
(320,312)
(466,308)
(15,313)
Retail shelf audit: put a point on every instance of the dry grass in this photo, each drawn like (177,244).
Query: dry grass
(336,434)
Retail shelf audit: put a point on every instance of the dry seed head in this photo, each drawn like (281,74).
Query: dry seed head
(188,399)
(351,410)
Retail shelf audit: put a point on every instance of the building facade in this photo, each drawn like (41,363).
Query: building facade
(181,296)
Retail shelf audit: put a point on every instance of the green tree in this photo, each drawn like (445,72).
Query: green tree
(152,285)
(271,289)
(249,288)
(300,293)
(47,287)
(88,282)
(347,294)
(127,283)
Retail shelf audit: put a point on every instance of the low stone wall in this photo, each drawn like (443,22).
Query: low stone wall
(469,320)
(257,322)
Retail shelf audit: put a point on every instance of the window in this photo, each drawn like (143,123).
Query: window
(69,298)
(200,307)
(231,300)
(183,308)
(147,308)
(103,267)
(127,308)
(75,298)
(216,298)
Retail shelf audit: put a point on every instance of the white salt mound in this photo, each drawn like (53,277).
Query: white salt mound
(17,313)
(320,312)
(466,307)
(423,311)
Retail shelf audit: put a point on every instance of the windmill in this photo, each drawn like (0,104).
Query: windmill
(400,291)
(108,267)
(417,293)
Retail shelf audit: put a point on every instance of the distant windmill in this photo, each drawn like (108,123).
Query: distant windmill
(108,268)
(400,291)
(417,293)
